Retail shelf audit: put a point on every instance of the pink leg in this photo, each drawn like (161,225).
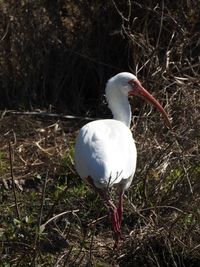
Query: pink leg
(120,207)
(116,214)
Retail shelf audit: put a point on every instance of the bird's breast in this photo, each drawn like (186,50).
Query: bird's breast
(105,150)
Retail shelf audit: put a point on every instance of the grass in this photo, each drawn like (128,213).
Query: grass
(55,206)
(61,222)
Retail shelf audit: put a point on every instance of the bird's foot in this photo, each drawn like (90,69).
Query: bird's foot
(117,237)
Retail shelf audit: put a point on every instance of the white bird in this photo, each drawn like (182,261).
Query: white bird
(105,152)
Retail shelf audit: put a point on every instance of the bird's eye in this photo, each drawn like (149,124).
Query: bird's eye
(132,83)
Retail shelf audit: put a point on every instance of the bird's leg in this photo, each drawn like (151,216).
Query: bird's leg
(114,218)
(120,206)
(113,211)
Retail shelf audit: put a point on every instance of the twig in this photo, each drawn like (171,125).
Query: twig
(39,219)
(59,215)
(6,32)
(97,220)
(41,210)
(13,182)
(42,200)
(162,207)
(161,24)
(47,114)
(16,243)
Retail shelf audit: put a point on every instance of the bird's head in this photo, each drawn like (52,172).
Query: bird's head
(130,85)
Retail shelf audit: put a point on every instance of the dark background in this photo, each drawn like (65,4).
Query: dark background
(61,53)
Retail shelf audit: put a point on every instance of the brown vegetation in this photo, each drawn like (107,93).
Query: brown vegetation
(59,54)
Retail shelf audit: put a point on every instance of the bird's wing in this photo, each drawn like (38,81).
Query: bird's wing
(105,150)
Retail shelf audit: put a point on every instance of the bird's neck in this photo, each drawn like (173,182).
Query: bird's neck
(120,107)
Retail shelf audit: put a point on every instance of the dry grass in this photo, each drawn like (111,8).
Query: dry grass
(58,214)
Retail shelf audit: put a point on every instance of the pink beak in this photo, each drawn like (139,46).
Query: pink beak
(140,91)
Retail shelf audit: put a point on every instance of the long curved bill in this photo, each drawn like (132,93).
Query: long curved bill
(140,91)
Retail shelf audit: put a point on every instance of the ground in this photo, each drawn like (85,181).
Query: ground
(49,217)
(46,186)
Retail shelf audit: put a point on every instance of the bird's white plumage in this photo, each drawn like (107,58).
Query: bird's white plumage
(105,151)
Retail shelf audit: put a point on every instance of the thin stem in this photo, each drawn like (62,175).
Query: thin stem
(13,181)
(39,220)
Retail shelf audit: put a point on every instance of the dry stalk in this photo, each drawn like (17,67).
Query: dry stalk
(37,234)
(13,181)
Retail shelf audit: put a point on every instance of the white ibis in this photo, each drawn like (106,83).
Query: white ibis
(105,152)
